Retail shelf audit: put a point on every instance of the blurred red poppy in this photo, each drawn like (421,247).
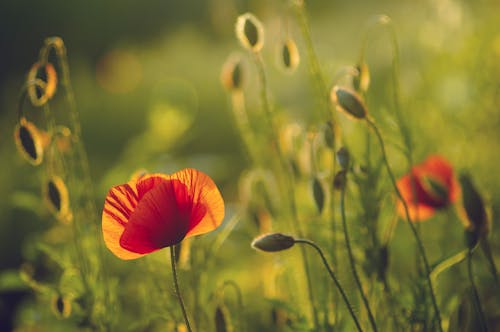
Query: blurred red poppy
(155,211)
(430,186)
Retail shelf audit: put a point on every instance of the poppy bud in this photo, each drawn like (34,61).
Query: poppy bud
(318,194)
(476,218)
(30,141)
(361,82)
(273,242)
(56,196)
(40,95)
(343,157)
(329,135)
(340,180)
(232,75)
(349,102)
(61,306)
(250,32)
(222,323)
(290,55)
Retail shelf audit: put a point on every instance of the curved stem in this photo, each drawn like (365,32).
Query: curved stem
(475,294)
(351,261)
(289,180)
(314,66)
(332,275)
(420,245)
(177,291)
(485,246)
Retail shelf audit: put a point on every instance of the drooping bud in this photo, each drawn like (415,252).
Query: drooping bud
(343,157)
(40,95)
(273,242)
(222,319)
(29,141)
(476,218)
(340,180)
(56,197)
(329,134)
(232,74)
(318,194)
(290,57)
(61,306)
(250,32)
(361,82)
(349,102)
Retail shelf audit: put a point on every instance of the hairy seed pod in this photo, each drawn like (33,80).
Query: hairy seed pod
(250,32)
(349,102)
(38,95)
(273,242)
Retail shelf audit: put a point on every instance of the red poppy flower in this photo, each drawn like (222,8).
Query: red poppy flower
(155,211)
(430,186)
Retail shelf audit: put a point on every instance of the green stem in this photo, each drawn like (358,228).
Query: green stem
(351,261)
(420,245)
(314,67)
(176,285)
(485,246)
(477,301)
(447,263)
(335,280)
(289,179)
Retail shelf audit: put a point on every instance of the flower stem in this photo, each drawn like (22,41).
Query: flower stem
(351,261)
(177,291)
(477,301)
(332,275)
(420,245)
(289,179)
(485,246)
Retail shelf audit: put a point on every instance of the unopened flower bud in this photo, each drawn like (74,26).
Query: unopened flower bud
(250,32)
(232,74)
(340,180)
(318,194)
(290,55)
(39,95)
(56,197)
(273,242)
(61,306)
(329,134)
(29,141)
(343,157)
(361,82)
(222,319)
(349,102)
(475,211)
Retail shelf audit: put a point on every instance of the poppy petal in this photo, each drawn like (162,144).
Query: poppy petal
(161,218)
(412,193)
(118,207)
(208,205)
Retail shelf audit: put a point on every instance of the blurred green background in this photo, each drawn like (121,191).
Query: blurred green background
(146,82)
